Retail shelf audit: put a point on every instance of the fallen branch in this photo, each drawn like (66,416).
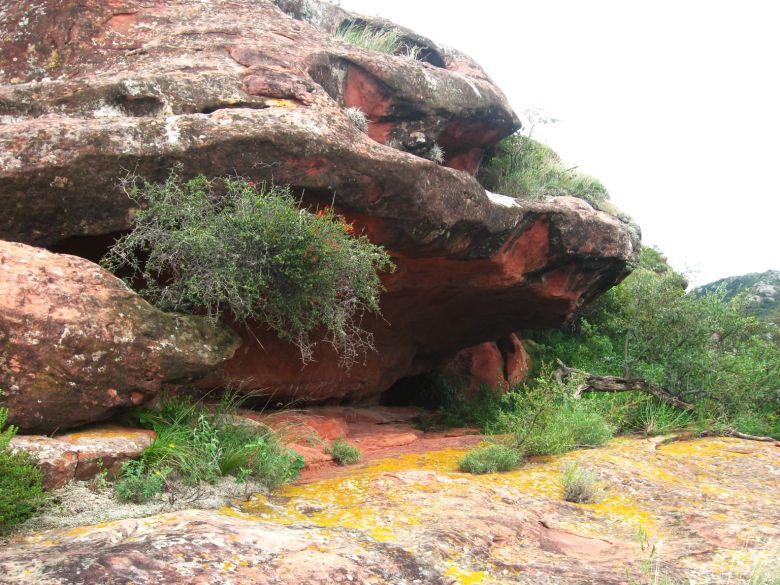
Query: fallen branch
(594,383)
(736,434)
(721,433)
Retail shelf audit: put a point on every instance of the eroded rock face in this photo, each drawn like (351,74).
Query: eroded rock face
(76,343)
(258,89)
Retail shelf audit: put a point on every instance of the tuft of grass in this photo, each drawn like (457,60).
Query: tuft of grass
(358,118)
(378,39)
(580,485)
(525,168)
(659,418)
(344,453)
(372,38)
(436,154)
(490,459)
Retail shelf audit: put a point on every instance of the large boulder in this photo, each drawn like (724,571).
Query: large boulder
(260,89)
(76,343)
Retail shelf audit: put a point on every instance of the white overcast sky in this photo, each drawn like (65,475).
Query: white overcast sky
(674,105)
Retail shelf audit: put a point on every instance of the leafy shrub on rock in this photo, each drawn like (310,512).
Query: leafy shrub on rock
(21,489)
(228,245)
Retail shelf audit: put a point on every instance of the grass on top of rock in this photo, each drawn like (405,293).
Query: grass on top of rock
(196,444)
(490,459)
(229,245)
(525,168)
(21,489)
(343,453)
(377,39)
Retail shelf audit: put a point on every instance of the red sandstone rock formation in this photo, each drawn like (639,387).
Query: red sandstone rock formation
(76,343)
(83,455)
(249,87)
(492,364)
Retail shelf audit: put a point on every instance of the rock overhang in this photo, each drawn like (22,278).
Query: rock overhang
(244,88)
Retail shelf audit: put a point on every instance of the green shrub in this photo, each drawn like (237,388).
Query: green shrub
(523,167)
(490,459)
(195,444)
(702,349)
(139,483)
(581,485)
(21,489)
(546,421)
(344,453)
(229,245)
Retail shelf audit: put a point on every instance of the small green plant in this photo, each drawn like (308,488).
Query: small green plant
(100,481)
(229,245)
(344,453)
(580,485)
(358,118)
(196,444)
(139,483)
(490,459)
(21,482)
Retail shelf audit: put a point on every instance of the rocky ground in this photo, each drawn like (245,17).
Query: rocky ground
(700,512)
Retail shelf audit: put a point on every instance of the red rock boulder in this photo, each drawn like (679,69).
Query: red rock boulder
(76,344)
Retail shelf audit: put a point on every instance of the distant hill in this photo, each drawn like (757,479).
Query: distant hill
(762,288)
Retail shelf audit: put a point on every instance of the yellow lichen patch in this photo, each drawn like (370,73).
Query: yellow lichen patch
(282,103)
(465,577)
(53,62)
(103,433)
(424,500)
(722,447)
